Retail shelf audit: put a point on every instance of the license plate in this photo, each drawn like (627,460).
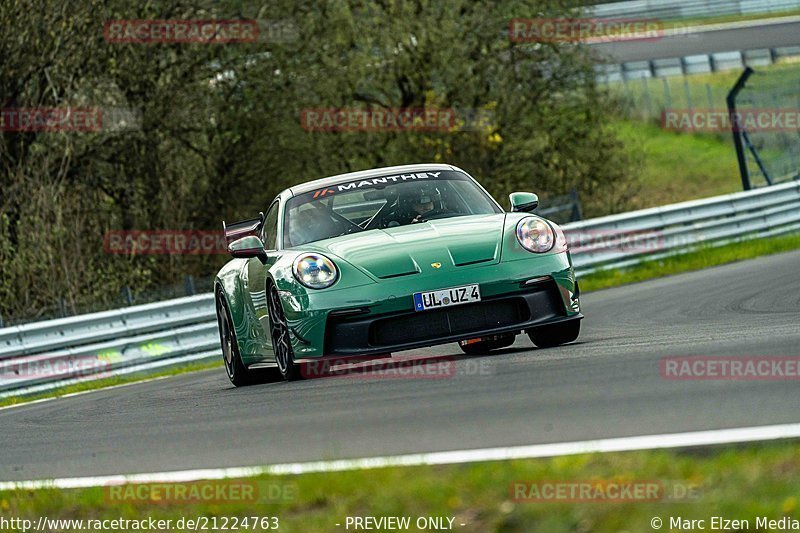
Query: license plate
(424,301)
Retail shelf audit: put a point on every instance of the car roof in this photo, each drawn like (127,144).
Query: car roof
(363,174)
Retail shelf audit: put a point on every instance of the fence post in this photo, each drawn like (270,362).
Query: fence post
(741,157)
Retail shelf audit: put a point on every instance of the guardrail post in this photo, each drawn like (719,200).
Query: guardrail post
(1,322)
(189,282)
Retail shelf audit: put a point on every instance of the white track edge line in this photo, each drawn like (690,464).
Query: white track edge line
(616,444)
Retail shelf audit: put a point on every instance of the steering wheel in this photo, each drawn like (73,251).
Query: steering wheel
(432,213)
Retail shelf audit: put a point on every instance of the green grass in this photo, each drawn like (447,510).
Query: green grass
(111,382)
(706,166)
(679,166)
(732,481)
(697,260)
(646,98)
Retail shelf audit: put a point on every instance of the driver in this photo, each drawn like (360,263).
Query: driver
(310,223)
(424,203)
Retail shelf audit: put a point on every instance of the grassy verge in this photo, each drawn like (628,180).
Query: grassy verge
(741,482)
(647,97)
(703,258)
(110,382)
(706,167)
(707,163)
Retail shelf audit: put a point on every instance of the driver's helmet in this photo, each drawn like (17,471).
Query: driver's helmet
(426,197)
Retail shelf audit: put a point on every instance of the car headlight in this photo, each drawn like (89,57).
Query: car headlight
(315,271)
(535,235)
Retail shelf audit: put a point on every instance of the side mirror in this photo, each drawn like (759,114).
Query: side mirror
(523,201)
(249,246)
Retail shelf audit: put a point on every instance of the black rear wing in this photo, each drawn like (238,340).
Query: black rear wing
(237,230)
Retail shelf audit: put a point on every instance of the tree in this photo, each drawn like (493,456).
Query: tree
(214,131)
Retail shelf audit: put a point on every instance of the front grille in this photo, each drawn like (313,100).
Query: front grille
(355,331)
(455,320)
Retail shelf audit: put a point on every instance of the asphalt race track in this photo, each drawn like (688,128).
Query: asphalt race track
(744,38)
(606,385)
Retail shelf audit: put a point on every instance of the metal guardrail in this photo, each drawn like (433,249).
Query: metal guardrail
(34,357)
(38,337)
(98,345)
(695,64)
(623,240)
(97,361)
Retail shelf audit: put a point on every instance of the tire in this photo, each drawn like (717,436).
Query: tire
(279,331)
(239,375)
(555,335)
(487,344)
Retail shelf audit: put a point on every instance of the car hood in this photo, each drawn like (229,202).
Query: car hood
(442,245)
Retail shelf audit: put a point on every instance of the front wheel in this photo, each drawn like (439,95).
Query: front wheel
(484,345)
(281,343)
(237,372)
(556,334)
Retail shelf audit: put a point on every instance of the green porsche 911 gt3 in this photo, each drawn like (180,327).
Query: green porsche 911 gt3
(390,259)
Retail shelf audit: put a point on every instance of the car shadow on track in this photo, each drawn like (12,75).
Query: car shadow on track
(397,366)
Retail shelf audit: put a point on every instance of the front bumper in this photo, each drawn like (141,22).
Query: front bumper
(535,306)
(380,318)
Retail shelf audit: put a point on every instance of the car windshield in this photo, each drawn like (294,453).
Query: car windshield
(382,202)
